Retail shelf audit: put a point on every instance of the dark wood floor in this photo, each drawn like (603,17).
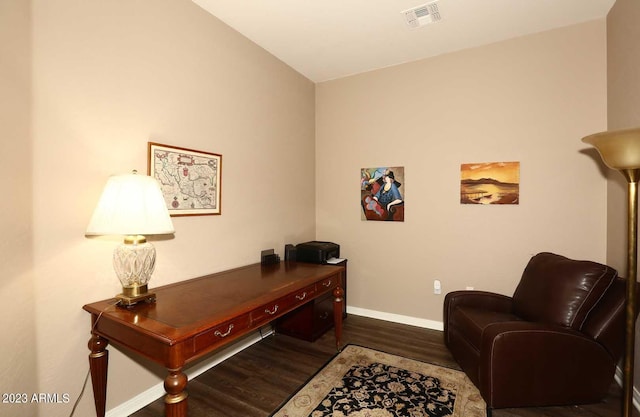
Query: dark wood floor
(256,381)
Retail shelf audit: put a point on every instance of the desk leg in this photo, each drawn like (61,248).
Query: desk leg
(98,364)
(338,301)
(175,402)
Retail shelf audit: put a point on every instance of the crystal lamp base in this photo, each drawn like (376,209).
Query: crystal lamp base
(134,262)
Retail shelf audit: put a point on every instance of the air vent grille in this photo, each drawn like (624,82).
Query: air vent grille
(422,15)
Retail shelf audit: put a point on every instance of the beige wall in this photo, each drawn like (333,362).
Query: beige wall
(529,99)
(623,100)
(108,76)
(18,361)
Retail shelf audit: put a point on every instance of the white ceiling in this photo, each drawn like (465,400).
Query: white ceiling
(328,39)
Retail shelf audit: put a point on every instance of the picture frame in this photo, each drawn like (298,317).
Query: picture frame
(382,192)
(490,183)
(190,180)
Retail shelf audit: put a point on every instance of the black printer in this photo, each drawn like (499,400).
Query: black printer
(317,252)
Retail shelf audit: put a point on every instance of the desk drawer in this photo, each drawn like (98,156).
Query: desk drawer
(309,321)
(328,283)
(268,312)
(322,315)
(221,333)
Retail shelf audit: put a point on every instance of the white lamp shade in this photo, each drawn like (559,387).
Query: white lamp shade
(131,204)
(619,149)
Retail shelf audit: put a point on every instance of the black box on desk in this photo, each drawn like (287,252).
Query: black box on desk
(317,252)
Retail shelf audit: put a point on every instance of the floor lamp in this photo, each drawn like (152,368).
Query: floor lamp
(620,150)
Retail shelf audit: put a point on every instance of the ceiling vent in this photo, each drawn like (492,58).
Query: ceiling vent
(422,15)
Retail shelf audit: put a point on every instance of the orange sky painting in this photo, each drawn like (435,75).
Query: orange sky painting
(507,172)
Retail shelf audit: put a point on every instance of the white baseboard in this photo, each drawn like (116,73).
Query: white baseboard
(147,397)
(157,391)
(438,325)
(619,377)
(396,318)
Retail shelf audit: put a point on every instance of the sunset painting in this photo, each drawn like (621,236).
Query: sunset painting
(490,183)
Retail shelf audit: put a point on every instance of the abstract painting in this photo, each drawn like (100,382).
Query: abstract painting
(382,194)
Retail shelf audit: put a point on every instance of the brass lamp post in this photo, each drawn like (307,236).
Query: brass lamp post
(620,150)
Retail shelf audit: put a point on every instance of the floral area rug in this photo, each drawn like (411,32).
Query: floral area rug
(362,382)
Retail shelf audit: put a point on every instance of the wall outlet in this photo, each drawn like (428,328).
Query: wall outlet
(437,287)
(469,288)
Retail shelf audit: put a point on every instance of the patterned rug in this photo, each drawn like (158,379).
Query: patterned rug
(362,382)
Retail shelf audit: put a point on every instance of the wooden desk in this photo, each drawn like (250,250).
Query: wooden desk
(312,320)
(191,319)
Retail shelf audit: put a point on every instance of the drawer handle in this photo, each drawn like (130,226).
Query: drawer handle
(327,284)
(324,316)
(225,334)
(271,312)
(302,297)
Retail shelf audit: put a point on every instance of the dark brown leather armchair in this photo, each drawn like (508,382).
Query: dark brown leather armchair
(555,342)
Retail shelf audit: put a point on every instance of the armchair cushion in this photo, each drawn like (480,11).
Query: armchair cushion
(537,364)
(559,290)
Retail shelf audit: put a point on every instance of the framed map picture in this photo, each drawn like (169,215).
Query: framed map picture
(190,179)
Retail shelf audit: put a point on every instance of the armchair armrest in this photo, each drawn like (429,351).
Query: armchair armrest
(477,299)
(538,363)
(480,299)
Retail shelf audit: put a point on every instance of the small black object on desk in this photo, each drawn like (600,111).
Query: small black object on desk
(317,252)
(269,257)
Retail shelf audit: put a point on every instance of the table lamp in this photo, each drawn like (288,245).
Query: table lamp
(133,206)
(620,150)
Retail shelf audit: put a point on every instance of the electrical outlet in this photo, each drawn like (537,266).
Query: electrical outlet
(469,288)
(437,287)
